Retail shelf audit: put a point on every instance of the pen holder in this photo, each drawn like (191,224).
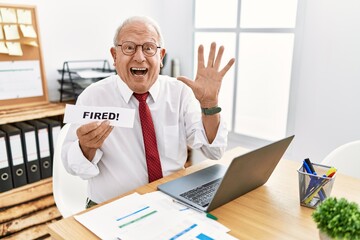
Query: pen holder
(314,188)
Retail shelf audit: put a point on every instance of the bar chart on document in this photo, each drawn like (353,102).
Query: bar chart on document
(139,217)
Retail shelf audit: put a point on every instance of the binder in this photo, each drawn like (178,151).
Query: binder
(28,141)
(15,155)
(43,147)
(54,128)
(5,171)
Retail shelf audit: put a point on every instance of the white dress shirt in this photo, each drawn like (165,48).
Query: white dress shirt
(120,165)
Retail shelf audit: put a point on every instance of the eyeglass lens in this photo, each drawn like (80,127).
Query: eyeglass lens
(129,48)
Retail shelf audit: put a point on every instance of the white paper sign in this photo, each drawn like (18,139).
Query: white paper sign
(120,117)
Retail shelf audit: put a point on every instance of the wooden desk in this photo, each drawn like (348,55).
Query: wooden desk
(271,211)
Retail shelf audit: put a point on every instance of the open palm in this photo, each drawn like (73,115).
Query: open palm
(207,83)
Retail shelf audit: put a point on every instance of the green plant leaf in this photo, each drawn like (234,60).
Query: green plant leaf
(338,218)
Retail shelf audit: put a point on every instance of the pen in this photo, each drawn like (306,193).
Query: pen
(209,215)
(306,166)
(313,193)
(331,172)
(310,169)
(313,181)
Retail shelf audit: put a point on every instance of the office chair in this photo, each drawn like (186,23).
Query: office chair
(345,158)
(69,191)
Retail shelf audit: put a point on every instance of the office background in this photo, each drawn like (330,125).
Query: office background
(325,85)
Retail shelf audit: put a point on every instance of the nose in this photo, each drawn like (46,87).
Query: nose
(139,55)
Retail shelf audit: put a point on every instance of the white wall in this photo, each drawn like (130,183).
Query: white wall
(325,109)
(176,20)
(81,30)
(324,106)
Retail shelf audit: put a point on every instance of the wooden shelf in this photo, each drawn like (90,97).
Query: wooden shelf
(26,193)
(26,211)
(31,111)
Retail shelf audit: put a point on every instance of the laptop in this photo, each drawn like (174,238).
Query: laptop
(218,184)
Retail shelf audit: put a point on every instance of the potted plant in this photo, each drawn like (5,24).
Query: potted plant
(338,219)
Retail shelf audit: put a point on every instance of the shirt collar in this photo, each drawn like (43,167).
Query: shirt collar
(154,90)
(126,92)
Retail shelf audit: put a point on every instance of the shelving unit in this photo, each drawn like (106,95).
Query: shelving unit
(27,210)
(77,75)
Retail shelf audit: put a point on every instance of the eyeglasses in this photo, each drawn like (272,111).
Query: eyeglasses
(129,48)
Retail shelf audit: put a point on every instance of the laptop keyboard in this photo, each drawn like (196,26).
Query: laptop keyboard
(202,195)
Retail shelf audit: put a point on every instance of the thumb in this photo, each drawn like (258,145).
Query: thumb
(187,81)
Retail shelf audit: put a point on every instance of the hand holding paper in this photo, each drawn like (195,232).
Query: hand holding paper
(98,123)
(92,136)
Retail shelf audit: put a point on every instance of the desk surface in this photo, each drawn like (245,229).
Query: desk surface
(271,211)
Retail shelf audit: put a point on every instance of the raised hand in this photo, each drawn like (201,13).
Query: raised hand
(207,83)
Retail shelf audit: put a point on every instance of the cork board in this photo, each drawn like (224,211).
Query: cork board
(22,75)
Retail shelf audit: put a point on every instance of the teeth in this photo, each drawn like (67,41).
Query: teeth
(138,69)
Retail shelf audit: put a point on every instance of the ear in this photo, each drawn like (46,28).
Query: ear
(162,53)
(113,53)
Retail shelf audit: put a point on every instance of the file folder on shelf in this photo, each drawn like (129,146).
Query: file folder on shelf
(28,141)
(15,155)
(5,171)
(43,147)
(54,128)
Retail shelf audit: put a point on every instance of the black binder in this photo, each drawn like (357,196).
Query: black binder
(28,141)
(43,147)
(15,154)
(5,170)
(54,128)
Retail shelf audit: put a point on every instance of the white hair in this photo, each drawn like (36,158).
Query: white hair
(143,19)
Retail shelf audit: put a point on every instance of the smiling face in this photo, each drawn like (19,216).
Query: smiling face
(138,71)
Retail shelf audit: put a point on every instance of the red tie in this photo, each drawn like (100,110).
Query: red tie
(151,150)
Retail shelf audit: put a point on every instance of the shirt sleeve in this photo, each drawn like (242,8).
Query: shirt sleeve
(73,159)
(196,135)
(216,149)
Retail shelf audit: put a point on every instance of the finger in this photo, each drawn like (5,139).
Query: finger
(190,83)
(86,128)
(99,132)
(227,67)
(218,57)
(103,138)
(211,55)
(201,63)
(88,138)
(95,141)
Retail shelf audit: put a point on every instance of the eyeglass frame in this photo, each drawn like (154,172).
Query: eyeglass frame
(136,46)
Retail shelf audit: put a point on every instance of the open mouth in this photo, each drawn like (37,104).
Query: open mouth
(138,71)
